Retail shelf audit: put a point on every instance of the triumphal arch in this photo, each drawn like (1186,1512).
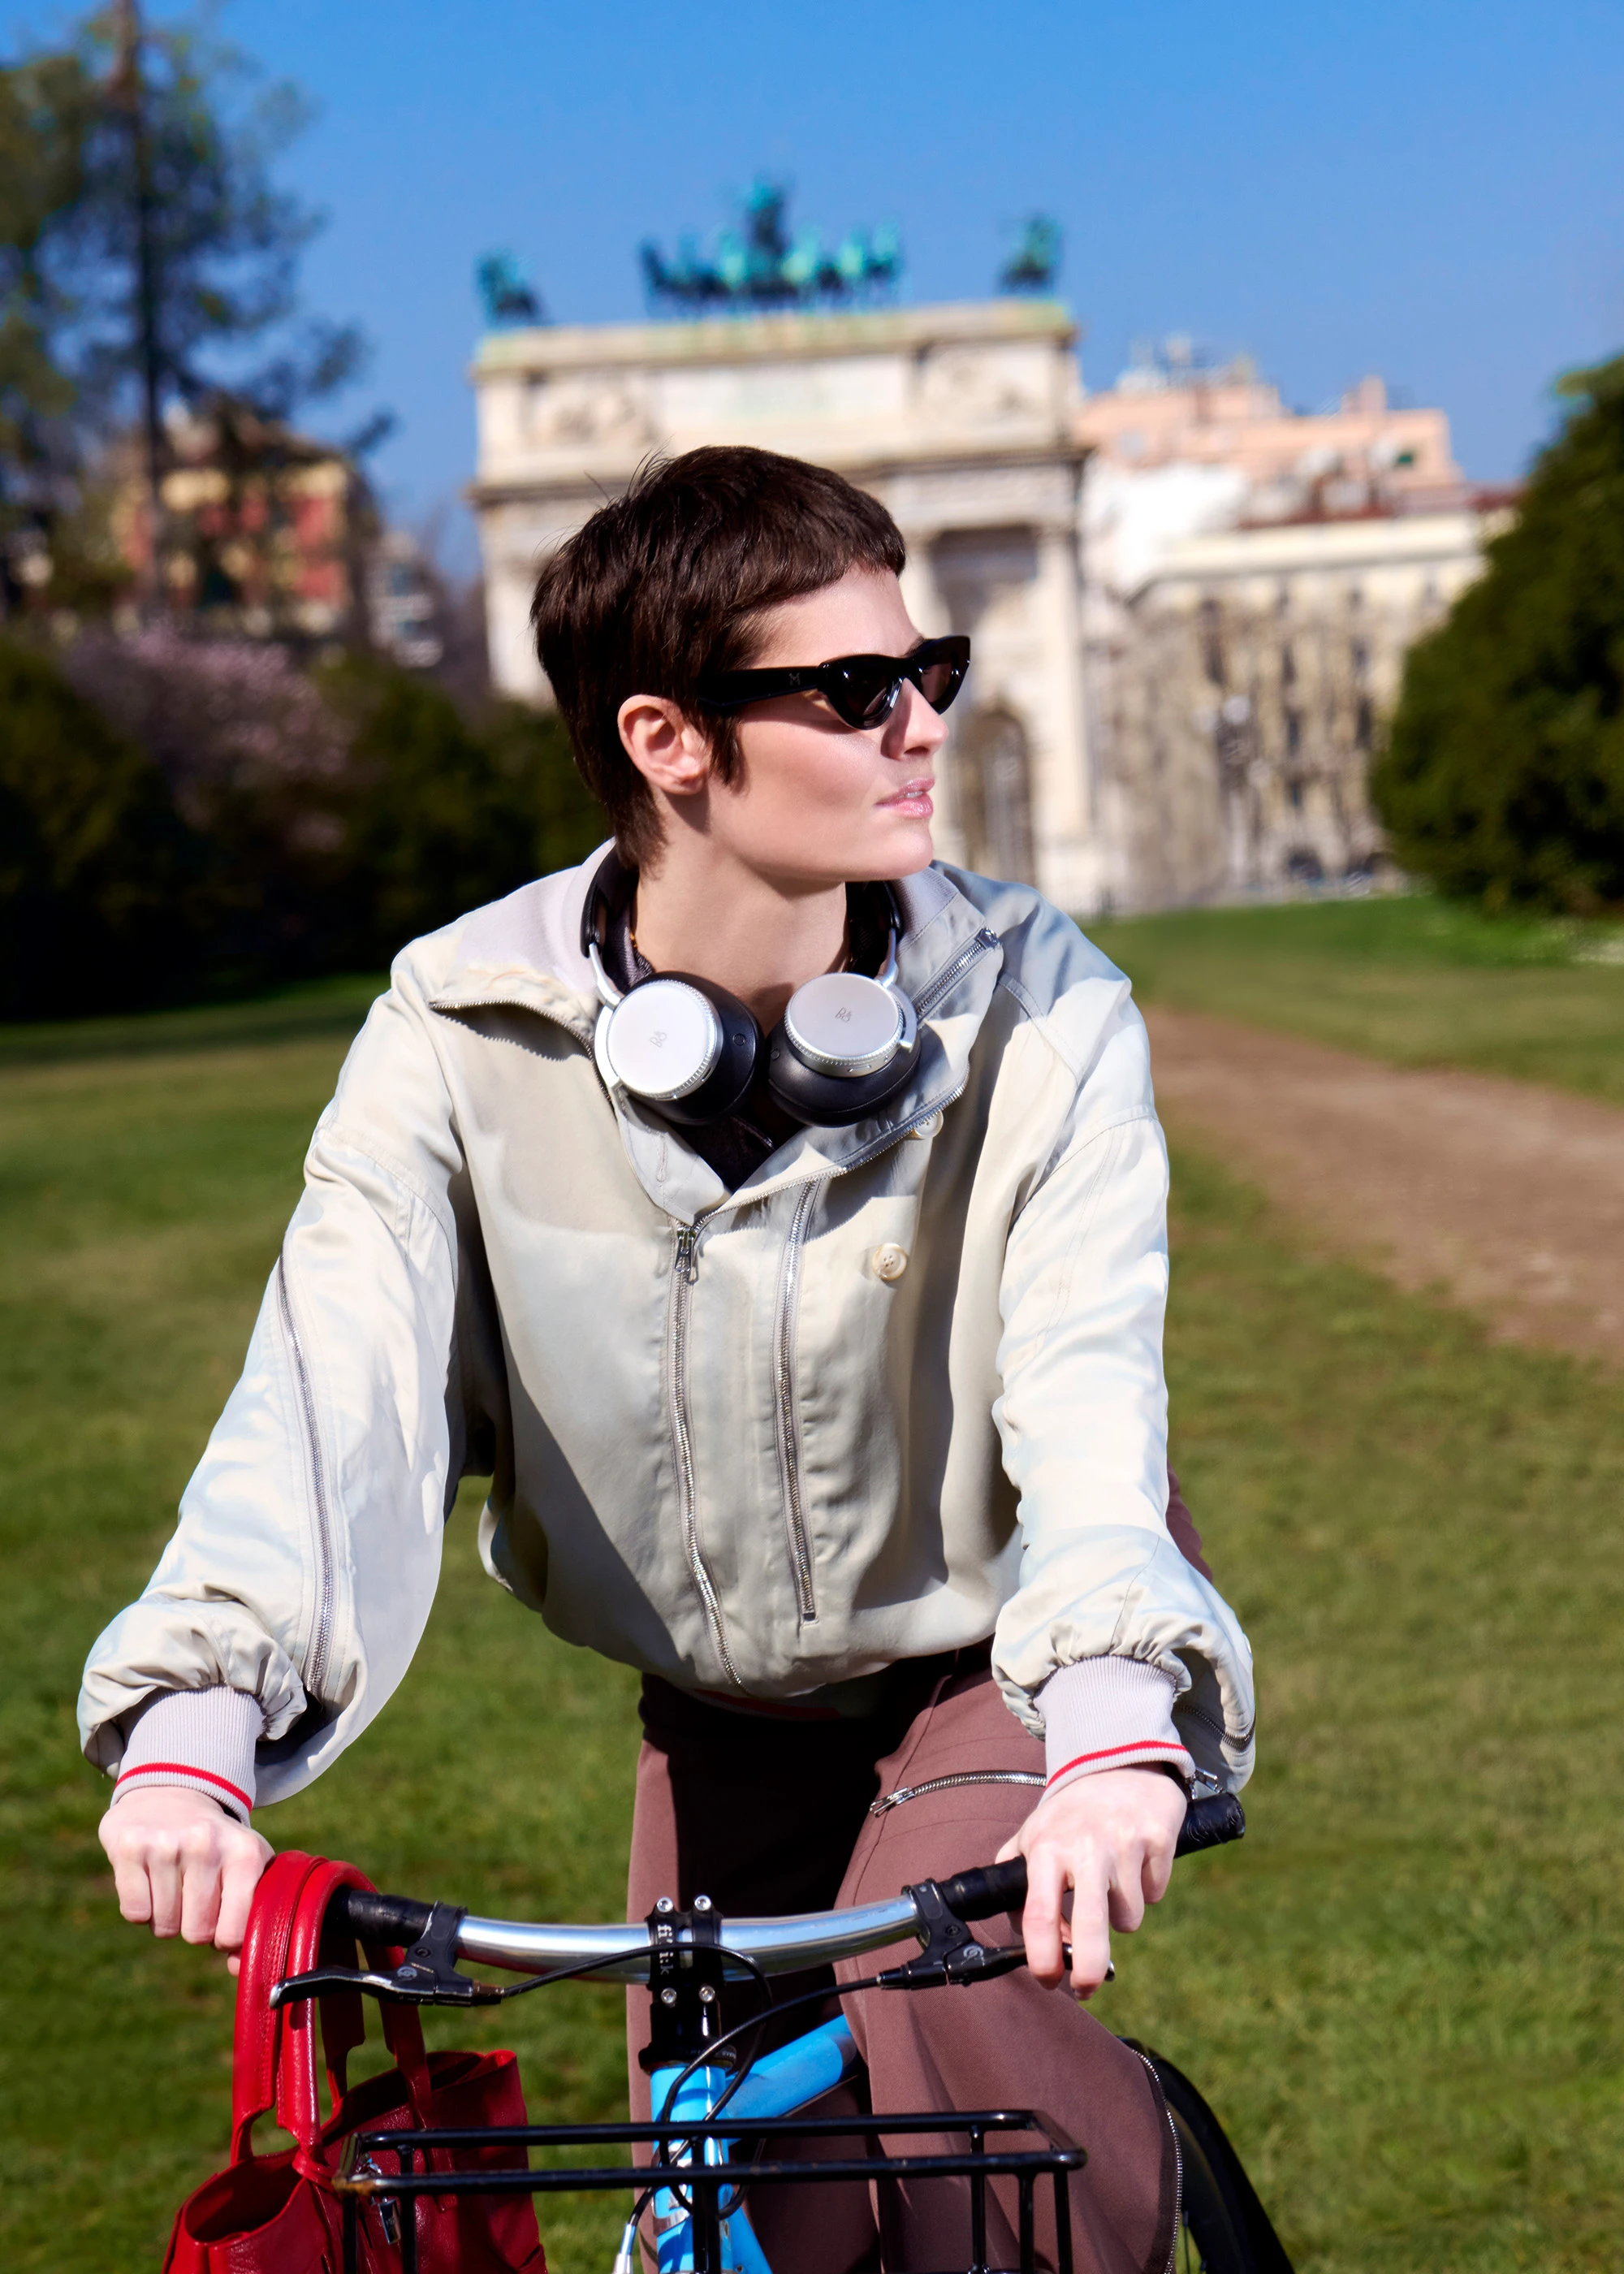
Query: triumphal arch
(961,419)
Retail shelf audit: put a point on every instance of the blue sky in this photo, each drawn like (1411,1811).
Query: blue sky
(1434,191)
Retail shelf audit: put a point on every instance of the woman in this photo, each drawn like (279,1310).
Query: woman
(778,1220)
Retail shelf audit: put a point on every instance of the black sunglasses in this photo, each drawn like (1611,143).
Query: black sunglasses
(861,689)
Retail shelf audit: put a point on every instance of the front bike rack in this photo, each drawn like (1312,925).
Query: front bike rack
(424,2166)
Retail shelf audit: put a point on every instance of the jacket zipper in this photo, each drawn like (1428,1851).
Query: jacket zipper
(784,1352)
(684,1272)
(889,1800)
(322,1643)
(789,1434)
(944,981)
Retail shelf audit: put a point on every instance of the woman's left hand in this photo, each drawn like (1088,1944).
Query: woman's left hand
(1109,1838)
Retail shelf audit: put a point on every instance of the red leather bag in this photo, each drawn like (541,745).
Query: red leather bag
(277,2214)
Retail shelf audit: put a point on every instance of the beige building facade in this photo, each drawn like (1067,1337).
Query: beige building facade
(1242,687)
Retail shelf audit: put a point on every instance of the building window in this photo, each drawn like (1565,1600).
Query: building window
(1294,795)
(1288,668)
(1294,734)
(1355,598)
(1364,724)
(1358,655)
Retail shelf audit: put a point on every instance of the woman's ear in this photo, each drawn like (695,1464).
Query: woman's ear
(668,750)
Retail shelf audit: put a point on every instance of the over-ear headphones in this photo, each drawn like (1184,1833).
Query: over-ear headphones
(844,1046)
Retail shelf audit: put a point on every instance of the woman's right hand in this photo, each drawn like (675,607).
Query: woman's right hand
(183,1866)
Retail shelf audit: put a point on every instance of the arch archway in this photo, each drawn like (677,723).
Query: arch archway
(993,777)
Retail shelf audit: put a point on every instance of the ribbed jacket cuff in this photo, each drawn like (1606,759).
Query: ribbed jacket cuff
(199,1740)
(1109,1713)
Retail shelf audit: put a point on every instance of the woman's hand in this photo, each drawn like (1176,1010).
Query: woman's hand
(1109,1838)
(181,1864)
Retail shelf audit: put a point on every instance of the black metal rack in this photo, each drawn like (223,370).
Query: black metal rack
(362,2182)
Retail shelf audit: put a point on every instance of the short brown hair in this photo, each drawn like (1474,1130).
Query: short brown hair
(666,587)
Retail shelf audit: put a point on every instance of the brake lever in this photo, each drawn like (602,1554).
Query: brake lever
(427,1976)
(950,1953)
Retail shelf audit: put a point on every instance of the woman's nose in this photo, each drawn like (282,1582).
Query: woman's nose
(913,729)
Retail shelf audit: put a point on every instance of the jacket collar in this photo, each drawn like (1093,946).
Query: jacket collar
(526,950)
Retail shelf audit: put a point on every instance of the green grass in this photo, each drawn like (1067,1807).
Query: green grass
(1403,1993)
(1415,981)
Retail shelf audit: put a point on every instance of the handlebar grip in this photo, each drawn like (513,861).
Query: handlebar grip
(999,1887)
(1211,1823)
(987,1892)
(370,1918)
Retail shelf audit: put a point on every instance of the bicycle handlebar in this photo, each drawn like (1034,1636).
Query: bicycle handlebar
(775,1946)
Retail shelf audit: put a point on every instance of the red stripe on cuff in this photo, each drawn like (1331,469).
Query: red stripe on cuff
(1109,1752)
(180,1768)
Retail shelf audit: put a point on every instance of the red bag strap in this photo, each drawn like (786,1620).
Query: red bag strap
(298,2107)
(263,1963)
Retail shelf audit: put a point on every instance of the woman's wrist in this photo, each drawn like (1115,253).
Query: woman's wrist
(194,1739)
(1109,1713)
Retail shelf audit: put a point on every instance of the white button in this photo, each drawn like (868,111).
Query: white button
(929,1128)
(890,1261)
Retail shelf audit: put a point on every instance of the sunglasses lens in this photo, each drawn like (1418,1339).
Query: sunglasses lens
(939,682)
(868,688)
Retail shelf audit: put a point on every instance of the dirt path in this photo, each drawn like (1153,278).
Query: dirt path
(1510,1196)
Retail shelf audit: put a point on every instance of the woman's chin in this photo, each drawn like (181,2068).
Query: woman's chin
(907,848)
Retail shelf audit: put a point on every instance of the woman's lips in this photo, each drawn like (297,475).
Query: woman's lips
(913,799)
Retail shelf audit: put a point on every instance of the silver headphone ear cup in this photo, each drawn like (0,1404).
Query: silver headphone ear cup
(694,1040)
(664,1040)
(844,1023)
(600,1050)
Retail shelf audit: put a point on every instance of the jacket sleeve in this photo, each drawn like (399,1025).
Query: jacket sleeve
(1082,1417)
(306,1561)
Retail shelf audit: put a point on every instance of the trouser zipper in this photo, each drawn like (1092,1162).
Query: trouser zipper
(321,1641)
(789,1433)
(889,1800)
(685,1271)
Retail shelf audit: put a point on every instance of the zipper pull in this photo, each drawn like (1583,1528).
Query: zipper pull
(688,1256)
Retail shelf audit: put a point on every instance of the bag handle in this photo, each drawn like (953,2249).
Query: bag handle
(263,1963)
(298,2107)
(284,1937)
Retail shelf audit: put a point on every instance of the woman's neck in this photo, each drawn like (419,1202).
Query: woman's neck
(759,937)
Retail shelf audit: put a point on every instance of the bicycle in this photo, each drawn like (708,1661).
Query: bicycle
(721,2109)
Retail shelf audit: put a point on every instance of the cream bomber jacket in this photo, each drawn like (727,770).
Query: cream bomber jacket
(900,1391)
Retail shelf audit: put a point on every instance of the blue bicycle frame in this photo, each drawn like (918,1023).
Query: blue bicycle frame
(778,2084)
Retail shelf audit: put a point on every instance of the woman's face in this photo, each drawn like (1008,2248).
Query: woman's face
(816,802)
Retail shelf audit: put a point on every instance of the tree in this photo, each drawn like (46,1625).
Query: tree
(98,874)
(45,108)
(1503,778)
(441,812)
(148,259)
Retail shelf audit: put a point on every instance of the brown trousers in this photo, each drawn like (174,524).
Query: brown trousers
(766,1816)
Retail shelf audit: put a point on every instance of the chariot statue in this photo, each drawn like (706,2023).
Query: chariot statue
(757,264)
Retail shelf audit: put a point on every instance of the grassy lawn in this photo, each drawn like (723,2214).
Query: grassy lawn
(1415,981)
(1401,1993)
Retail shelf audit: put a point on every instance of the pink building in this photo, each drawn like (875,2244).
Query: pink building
(1364,454)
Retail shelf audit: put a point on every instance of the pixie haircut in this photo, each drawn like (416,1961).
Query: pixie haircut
(666,587)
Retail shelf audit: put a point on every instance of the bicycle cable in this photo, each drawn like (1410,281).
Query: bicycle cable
(755,2022)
